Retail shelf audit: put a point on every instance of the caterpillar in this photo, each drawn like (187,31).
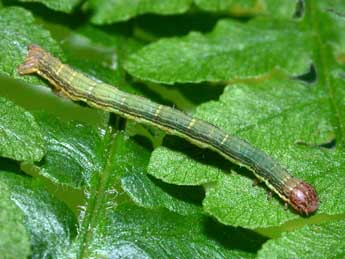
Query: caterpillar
(79,87)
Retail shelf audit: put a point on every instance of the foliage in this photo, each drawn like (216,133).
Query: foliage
(76,182)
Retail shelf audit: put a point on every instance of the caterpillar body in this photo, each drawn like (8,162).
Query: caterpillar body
(79,87)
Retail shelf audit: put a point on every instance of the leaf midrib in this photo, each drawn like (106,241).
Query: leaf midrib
(86,234)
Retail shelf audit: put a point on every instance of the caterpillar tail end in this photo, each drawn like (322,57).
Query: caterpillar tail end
(31,62)
(303,198)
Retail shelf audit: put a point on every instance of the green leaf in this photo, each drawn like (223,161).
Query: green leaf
(106,12)
(66,6)
(142,189)
(225,5)
(322,240)
(20,136)
(336,6)
(131,232)
(14,240)
(50,225)
(233,50)
(71,147)
(286,8)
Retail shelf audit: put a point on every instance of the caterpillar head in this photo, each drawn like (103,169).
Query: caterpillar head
(303,198)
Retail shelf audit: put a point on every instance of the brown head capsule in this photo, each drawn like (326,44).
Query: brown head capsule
(303,198)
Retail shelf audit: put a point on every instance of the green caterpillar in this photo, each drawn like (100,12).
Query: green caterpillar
(77,86)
